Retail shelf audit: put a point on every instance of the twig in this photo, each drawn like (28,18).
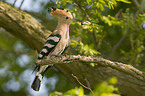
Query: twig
(95,39)
(118,13)
(82,22)
(21,4)
(82,8)
(118,43)
(88,84)
(14,2)
(36,52)
(88,17)
(82,84)
(138,5)
(139,8)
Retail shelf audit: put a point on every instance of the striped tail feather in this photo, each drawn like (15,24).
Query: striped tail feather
(36,83)
(38,78)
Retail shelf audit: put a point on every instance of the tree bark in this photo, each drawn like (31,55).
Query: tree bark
(23,26)
(131,82)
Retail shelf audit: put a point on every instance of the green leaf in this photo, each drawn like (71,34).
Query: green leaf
(75,92)
(124,1)
(89,2)
(113,80)
(56,94)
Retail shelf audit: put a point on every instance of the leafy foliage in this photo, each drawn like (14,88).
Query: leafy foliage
(102,89)
(84,49)
(117,30)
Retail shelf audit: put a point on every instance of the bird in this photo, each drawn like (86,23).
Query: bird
(55,43)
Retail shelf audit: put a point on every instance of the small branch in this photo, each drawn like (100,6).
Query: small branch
(119,43)
(95,39)
(141,4)
(88,84)
(89,88)
(21,4)
(82,8)
(118,13)
(88,17)
(82,22)
(14,2)
(138,5)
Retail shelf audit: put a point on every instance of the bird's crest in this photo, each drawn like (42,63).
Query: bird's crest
(59,12)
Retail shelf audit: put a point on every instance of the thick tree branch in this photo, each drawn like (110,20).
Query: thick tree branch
(23,26)
(101,70)
(131,82)
(99,61)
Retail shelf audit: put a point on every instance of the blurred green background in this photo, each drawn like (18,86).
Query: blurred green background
(117,33)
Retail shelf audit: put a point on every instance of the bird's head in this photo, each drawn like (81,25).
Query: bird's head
(63,15)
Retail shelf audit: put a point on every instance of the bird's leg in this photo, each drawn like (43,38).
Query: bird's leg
(36,53)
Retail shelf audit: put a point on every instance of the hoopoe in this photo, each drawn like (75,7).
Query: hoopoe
(55,43)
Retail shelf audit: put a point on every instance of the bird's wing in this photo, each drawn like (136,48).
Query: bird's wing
(48,47)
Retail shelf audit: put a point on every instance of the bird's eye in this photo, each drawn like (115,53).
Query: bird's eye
(66,17)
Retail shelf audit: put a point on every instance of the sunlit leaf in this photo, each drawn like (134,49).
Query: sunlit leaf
(124,1)
(89,2)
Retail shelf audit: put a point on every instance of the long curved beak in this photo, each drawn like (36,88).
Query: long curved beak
(82,22)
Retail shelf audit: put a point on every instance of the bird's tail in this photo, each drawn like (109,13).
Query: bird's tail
(38,78)
(37,82)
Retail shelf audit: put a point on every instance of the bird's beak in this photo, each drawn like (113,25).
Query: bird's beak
(51,9)
(82,22)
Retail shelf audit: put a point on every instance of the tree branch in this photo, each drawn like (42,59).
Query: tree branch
(101,70)
(119,42)
(87,87)
(21,4)
(128,69)
(138,5)
(23,26)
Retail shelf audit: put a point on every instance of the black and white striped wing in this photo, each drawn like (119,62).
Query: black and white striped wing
(49,45)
